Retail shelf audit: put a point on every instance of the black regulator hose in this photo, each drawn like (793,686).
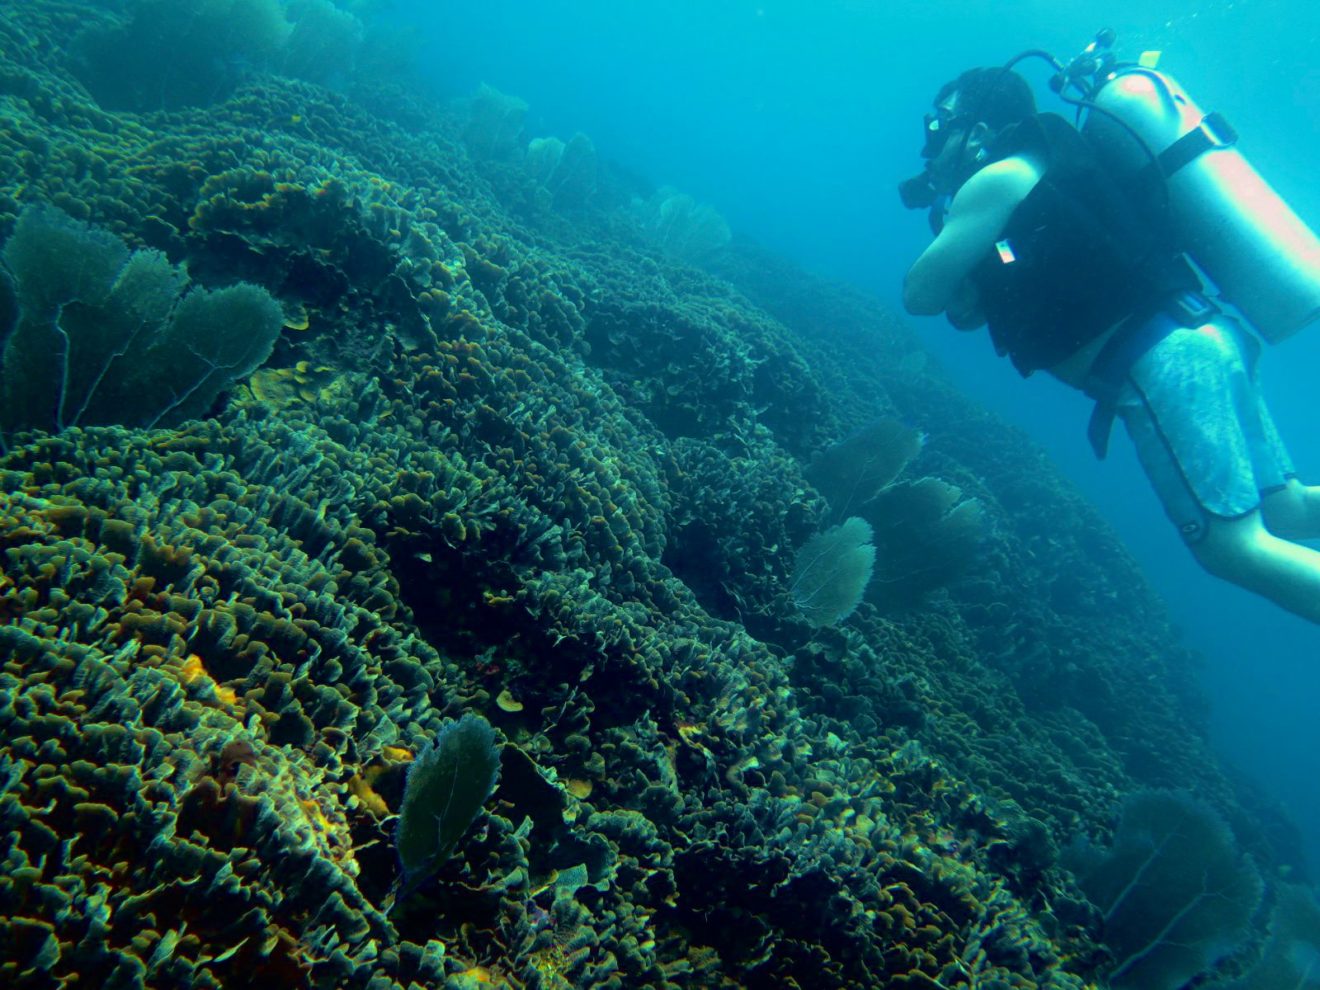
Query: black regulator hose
(1040,53)
(1086,64)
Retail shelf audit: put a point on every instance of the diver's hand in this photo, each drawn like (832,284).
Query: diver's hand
(964,309)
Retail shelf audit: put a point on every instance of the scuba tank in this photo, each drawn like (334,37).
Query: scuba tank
(1263,258)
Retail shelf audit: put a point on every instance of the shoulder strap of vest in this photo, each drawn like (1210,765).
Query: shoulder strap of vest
(1049,137)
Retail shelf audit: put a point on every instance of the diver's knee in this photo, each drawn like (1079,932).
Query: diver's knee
(1243,552)
(1292,511)
(1229,548)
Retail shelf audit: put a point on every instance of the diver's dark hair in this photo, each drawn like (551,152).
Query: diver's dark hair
(997,97)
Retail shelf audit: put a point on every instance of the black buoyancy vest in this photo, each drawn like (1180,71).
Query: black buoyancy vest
(1077,256)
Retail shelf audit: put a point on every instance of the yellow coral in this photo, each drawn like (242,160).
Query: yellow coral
(194,670)
(359,785)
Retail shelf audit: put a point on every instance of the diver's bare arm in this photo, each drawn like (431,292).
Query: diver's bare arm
(976,216)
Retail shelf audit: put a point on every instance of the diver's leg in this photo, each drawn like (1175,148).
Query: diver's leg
(1244,552)
(1293,511)
(1289,508)
(1201,430)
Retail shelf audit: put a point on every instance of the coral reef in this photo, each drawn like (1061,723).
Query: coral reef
(527,465)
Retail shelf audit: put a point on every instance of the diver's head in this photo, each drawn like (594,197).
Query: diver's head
(969,113)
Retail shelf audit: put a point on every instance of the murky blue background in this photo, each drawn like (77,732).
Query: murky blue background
(796,119)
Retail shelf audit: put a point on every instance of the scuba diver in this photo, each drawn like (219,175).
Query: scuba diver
(1071,243)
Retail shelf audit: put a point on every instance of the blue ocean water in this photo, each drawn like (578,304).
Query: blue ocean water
(795,120)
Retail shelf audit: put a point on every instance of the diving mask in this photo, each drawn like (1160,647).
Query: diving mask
(939,126)
(920,192)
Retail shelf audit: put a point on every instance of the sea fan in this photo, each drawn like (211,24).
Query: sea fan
(831,572)
(447,785)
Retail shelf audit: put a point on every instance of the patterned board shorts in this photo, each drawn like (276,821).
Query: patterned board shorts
(1193,407)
